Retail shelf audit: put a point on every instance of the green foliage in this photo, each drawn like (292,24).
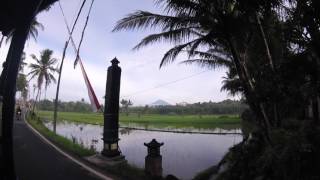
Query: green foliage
(201,108)
(271,49)
(160,121)
(78,106)
(33,32)
(293,155)
(22,85)
(43,69)
(125,170)
(61,141)
(204,108)
(125,105)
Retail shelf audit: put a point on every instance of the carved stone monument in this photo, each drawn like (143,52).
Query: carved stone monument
(111,111)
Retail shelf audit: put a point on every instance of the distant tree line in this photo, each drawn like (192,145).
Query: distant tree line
(201,108)
(223,107)
(78,106)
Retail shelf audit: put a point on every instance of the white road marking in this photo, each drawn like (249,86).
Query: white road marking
(93,171)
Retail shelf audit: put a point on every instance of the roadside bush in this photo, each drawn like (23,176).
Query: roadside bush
(294,155)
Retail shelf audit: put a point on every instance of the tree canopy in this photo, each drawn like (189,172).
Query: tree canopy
(271,50)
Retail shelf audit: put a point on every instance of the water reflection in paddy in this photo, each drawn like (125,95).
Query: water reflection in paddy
(184,154)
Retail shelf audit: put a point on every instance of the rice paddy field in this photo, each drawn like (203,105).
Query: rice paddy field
(203,121)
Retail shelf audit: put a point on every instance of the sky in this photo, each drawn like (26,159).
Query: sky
(142,81)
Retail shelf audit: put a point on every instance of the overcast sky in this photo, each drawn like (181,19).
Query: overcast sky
(141,79)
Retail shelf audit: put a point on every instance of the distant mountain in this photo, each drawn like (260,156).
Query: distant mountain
(160,103)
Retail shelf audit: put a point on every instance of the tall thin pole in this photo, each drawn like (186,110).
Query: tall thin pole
(55,113)
(57,91)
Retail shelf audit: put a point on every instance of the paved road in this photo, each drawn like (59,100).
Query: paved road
(36,160)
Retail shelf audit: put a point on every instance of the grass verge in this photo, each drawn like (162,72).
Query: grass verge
(61,141)
(125,171)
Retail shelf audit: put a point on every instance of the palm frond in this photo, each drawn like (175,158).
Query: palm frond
(33,31)
(34,66)
(232,86)
(44,68)
(35,58)
(144,19)
(178,6)
(207,63)
(174,36)
(52,61)
(171,55)
(52,78)
(209,56)
(33,74)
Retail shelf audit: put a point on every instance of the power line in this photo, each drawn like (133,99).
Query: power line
(164,84)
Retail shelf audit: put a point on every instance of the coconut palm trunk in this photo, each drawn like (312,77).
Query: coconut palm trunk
(277,121)
(35,101)
(258,107)
(8,108)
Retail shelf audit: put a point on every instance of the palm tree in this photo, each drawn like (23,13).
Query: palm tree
(213,32)
(21,26)
(43,70)
(33,32)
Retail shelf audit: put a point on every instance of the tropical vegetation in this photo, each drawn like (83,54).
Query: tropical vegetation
(271,50)
(43,70)
(22,83)
(33,32)
(200,108)
(125,105)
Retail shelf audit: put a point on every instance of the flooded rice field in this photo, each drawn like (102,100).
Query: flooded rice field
(183,154)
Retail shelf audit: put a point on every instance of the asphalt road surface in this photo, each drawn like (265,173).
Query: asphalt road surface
(36,160)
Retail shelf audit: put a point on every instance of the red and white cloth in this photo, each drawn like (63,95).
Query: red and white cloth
(92,96)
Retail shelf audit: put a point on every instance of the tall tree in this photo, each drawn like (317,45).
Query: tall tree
(125,105)
(33,32)
(43,70)
(214,32)
(273,47)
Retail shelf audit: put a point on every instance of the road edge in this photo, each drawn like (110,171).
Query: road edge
(67,155)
